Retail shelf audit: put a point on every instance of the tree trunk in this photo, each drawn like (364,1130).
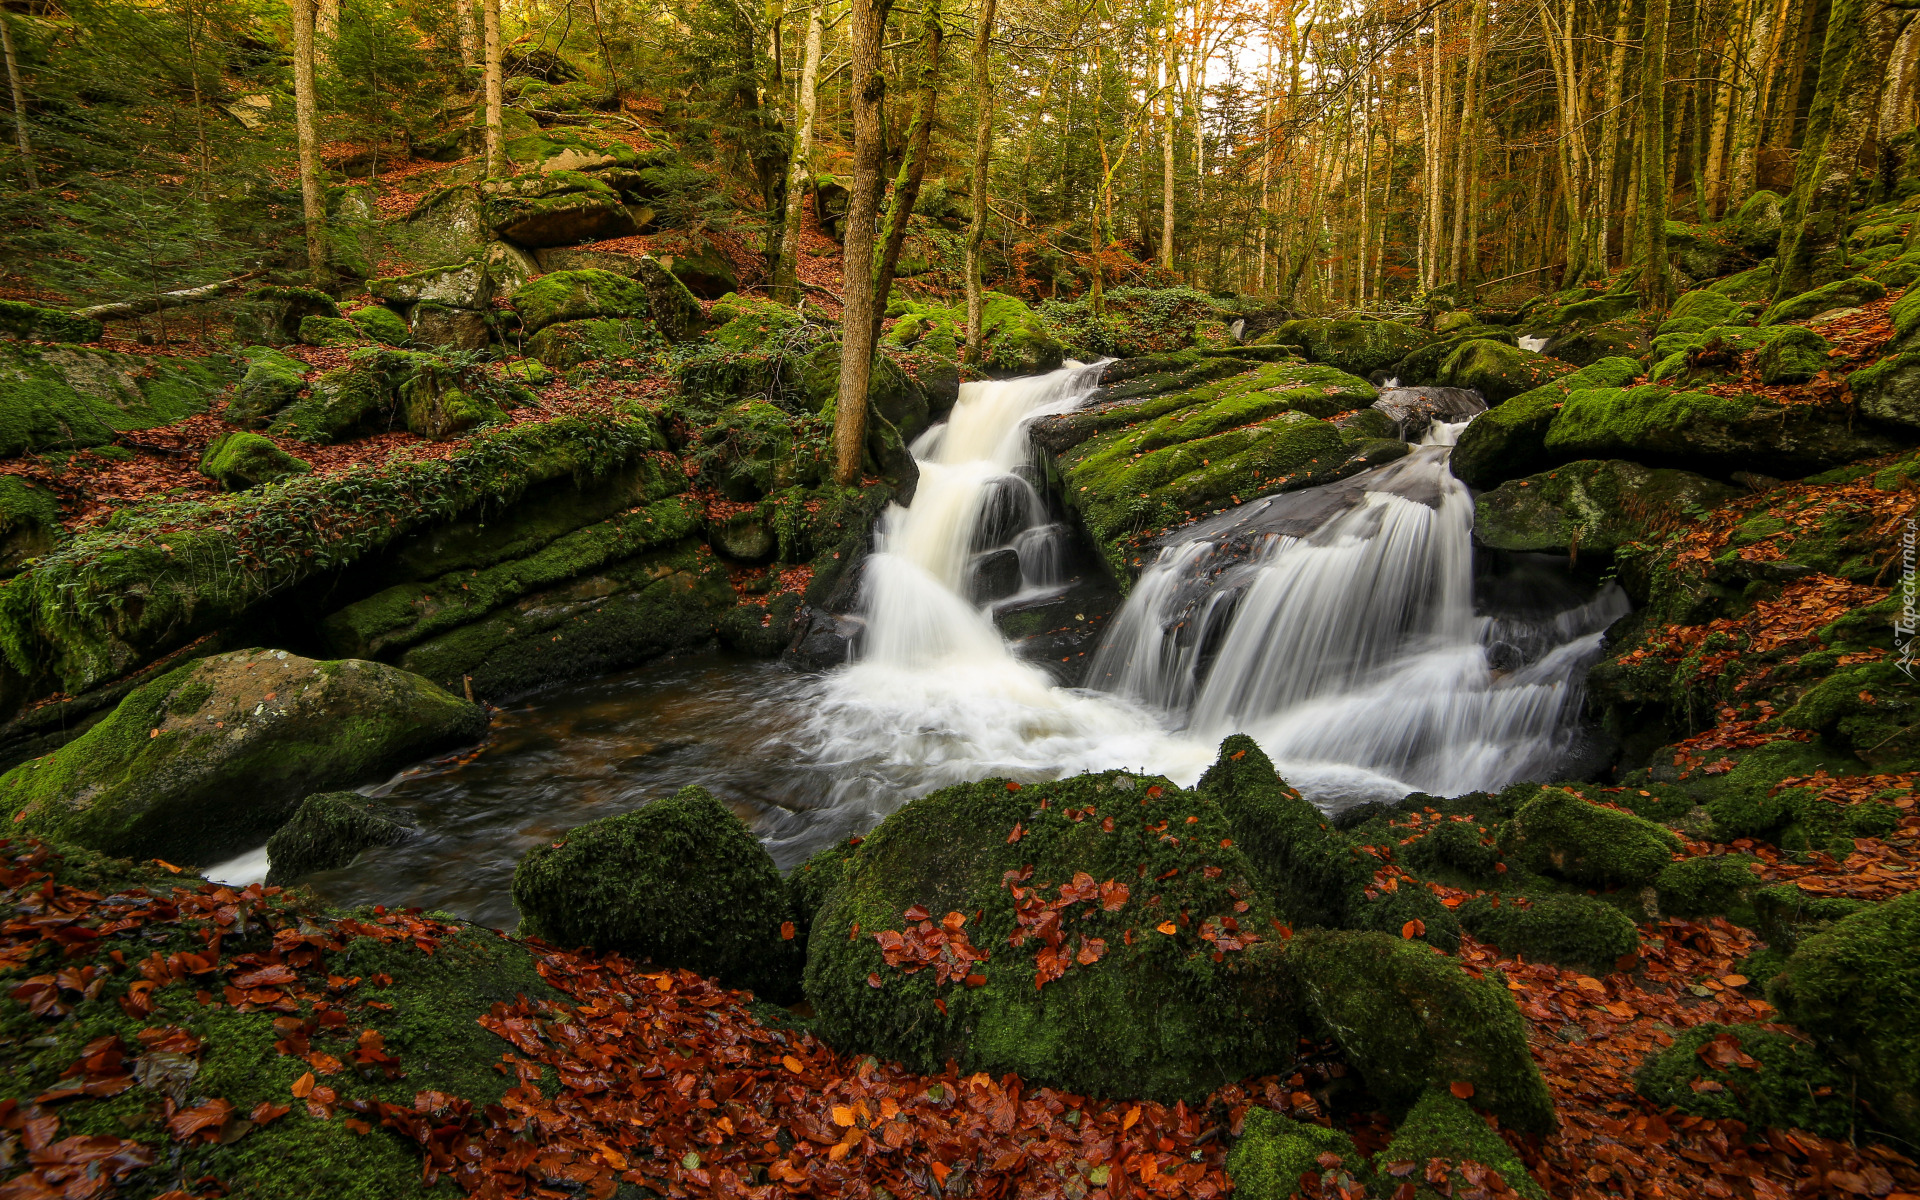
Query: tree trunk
(19,103)
(1713,195)
(1169,79)
(982,145)
(469,33)
(312,203)
(1756,76)
(1853,64)
(496,141)
(1610,126)
(326,27)
(1460,264)
(786,274)
(867,25)
(913,167)
(1650,222)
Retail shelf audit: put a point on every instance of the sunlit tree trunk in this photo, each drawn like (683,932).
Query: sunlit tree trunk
(1713,196)
(326,28)
(496,139)
(786,273)
(313,204)
(858,320)
(1169,80)
(1460,266)
(1750,113)
(982,146)
(469,32)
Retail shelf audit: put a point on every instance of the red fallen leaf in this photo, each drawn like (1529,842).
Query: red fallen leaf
(1153,793)
(917,913)
(138,1002)
(873,979)
(1090,951)
(976,981)
(786,931)
(188,1122)
(1012,786)
(941,1005)
(324,1063)
(1016,835)
(953,921)
(303,1086)
(1167,927)
(357,1126)
(265,977)
(1461,1088)
(1113,896)
(267,1111)
(1413,929)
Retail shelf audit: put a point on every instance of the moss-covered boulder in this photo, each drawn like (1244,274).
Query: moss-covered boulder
(329,331)
(682,882)
(211,757)
(675,311)
(1103,934)
(1593,507)
(1509,441)
(271,315)
(1408,1018)
(460,285)
(1274,1152)
(568,344)
(382,324)
(1444,1127)
(1574,931)
(382,389)
(1461,847)
(1703,430)
(1786,915)
(1709,885)
(29,522)
(1311,873)
(1755,225)
(240,460)
(1133,321)
(1584,344)
(31,323)
(1597,310)
(1855,988)
(1888,392)
(439,402)
(560,208)
(1558,832)
(271,381)
(699,265)
(1841,293)
(1356,347)
(1794,357)
(1706,305)
(578,296)
(1499,371)
(445,327)
(329,830)
(1763,1077)
(69,397)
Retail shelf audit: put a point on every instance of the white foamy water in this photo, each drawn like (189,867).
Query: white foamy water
(1343,638)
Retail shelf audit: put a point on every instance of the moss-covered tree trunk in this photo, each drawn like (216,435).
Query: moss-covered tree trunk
(1169,81)
(496,142)
(1611,123)
(982,145)
(1750,111)
(866,26)
(1853,65)
(20,103)
(913,167)
(1650,221)
(786,273)
(312,203)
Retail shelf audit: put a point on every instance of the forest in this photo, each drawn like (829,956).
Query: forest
(1020,599)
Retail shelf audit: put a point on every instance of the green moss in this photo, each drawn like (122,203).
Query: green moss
(1559,833)
(329,830)
(330,331)
(29,522)
(1842,293)
(567,344)
(381,324)
(1794,357)
(1708,306)
(1510,440)
(1460,846)
(1407,1017)
(1575,931)
(1869,708)
(1652,423)
(1719,884)
(1499,371)
(1596,506)
(1164,1009)
(1392,911)
(681,881)
(1785,1082)
(68,397)
(1311,873)
(578,296)
(240,460)
(1444,1127)
(30,322)
(271,381)
(1752,286)
(1786,916)
(810,883)
(1274,1152)
(1136,321)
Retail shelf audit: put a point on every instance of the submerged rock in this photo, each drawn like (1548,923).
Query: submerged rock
(329,830)
(681,881)
(211,757)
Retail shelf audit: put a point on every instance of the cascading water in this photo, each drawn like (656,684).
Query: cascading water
(1337,625)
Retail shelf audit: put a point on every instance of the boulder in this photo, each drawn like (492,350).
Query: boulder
(1786,916)
(1593,507)
(1408,1018)
(1796,356)
(1014,339)
(1723,434)
(66,397)
(578,296)
(509,268)
(29,522)
(461,285)
(1026,912)
(1310,873)
(1457,847)
(382,324)
(1755,226)
(1708,885)
(1706,305)
(1841,293)
(25,322)
(1701,253)
(994,575)
(240,460)
(1442,1126)
(561,208)
(1750,287)
(1274,1152)
(271,315)
(1600,309)
(438,403)
(271,381)
(1557,832)
(1421,366)
(1574,931)
(568,344)
(330,331)
(1510,440)
(675,310)
(443,327)
(1498,371)
(699,264)
(211,757)
(586,258)
(681,881)
(1356,347)
(1888,392)
(329,830)
(1584,344)
(1763,1077)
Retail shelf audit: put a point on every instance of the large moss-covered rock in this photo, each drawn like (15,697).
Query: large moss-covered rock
(382,324)
(460,285)
(1594,507)
(1755,225)
(1134,321)
(32,323)
(1706,305)
(1063,937)
(561,208)
(382,389)
(67,397)
(1763,1077)
(444,327)
(1408,1018)
(1701,252)
(1841,293)
(1510,440)
(29,522)
(329,331)
(1722,434)
(681,881)
(1499,371)
(565,345)
(1574,931)
(675,310)
(1442,1126)
(271,315)
(1584,344)
(1357,347)
(329,830)
(240,460)
(578,296)
(1708,885)
(1888,392)
(1311,874)
(1014,340)
(1597,310)
(1274,1152)
(214,755)
(1558,832)
(1796,356)
(1785,915)
(271,381)
(1856,988)
(699,265)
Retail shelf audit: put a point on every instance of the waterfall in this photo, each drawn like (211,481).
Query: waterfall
(1337,625)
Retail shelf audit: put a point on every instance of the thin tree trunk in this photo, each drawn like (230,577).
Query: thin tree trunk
(1715,192)
(982,146)
(312,203)
(786,273)
(1610,125)
(1169,78)
(1651,218)
(913,167)
(1464,232)
(1266,170)
(469,33)
(1763,42)
(857,321)
(496,140)
(20,138)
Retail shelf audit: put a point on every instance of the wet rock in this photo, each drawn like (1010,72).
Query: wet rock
(682,882)
(1499,371)
(822,640)
(1510,441)
(1558,833)
(743,535)
(212,756)
(1593,507)
(1413,409)
(240,460)
(329,830)
(1574,931)
(993,575)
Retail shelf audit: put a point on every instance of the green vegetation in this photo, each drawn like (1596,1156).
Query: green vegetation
(329,830)
(1559,833)
(1575,931)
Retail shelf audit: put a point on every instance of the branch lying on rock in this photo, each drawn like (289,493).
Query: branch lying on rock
(173,299)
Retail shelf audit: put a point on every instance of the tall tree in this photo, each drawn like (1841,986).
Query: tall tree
(1650,219)
(313,205)
(866,28)
(786,274)
(491,84)
(982,147)
(20,138)
(913,167)
(469,32)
